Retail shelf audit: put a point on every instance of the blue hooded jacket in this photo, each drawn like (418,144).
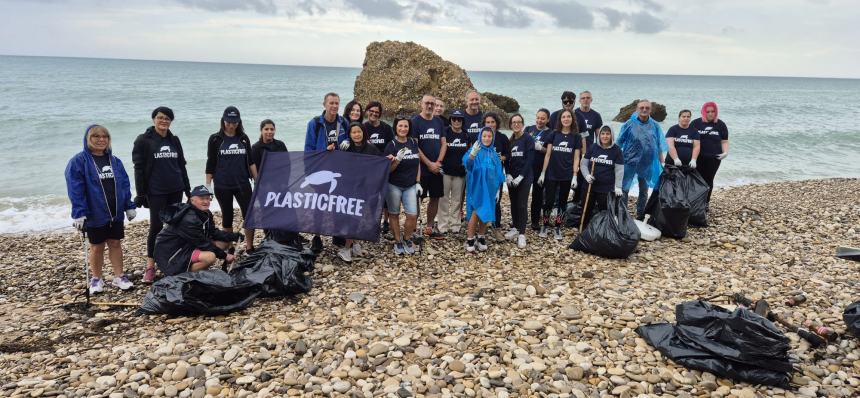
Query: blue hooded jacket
(642,143)
(86,192)
(315,136)
(484,177)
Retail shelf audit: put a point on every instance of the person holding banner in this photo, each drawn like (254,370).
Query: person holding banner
(357,143)
(404,185)
(324,133)
(484,178)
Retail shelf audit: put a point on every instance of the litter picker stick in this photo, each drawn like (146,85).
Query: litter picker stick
(587,198)
(86,266)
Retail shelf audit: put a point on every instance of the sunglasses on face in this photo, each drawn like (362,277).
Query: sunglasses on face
(567,101)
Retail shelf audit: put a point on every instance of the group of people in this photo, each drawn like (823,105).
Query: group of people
(460,162)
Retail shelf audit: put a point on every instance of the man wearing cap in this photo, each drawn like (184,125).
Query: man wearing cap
(325,133)
(567,99)
(190,241)
(454,179)
(473,118)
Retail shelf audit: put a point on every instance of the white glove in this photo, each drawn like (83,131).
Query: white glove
(79,223)
(540,179)
(401,153)
(678,162)
(419,189)
(618,192)
(589,178)
(508,179)
(722,156)
(573,183)
(130,214)
(344,145)
(475,148)
(692,163)
(516,182)
(209,186)
(538,146)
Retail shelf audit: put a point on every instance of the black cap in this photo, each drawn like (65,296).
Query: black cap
(457,114)
(201,190)
(231,115)
(568,95)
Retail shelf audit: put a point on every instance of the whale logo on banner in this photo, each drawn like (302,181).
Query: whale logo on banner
(321,193)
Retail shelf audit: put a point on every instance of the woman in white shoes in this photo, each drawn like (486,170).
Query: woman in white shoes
(484,178)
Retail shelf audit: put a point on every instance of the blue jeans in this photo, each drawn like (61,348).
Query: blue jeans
(643,195)
(408,196)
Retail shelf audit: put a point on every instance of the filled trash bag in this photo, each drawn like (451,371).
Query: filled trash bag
(610,233)
(272,270)
(668,205)
(851,316)
(572,215)
(697,195)
(280,270)
(739,344)
(207,292)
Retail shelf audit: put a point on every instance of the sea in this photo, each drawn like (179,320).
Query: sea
(780,128)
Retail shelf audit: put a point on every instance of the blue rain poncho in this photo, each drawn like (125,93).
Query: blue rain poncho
(484,177)
(642,144)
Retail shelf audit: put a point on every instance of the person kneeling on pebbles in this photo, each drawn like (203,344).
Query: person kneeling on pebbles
(190,242)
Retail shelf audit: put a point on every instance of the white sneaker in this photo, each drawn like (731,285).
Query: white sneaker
(470,245)
(122,282)
(356,249)
(521,241)
(481,242)
(557,233)
(345,254)
(96,285)
(511,234)
(542,232)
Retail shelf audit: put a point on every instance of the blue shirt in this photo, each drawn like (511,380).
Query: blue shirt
(564,147)
(604,161)
(589,123)
(458,144)
(472,124)
(521,156)
(406,173)
(380,135)
(429,134)
(537,135)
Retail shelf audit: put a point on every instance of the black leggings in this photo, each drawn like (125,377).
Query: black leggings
(537,200)
(157,203)
(519,205)
(596,203)
(708,169)
(498,222)
(555,195)
(225,200)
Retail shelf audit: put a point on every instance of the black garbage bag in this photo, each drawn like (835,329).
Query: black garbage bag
(611,233)
(207,292)
(739,344)
(697,196)
(572,215)
(668,205)
(851,316)
(280,270)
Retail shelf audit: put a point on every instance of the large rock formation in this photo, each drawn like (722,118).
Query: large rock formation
(658,111)
(507,104)
(397,74)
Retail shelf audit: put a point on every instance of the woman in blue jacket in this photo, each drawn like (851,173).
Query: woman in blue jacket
(100,193)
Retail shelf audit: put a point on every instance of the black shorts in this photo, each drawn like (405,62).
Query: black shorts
(98,235)
(431,184)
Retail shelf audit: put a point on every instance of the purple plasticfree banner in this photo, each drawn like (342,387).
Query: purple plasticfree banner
(330,193)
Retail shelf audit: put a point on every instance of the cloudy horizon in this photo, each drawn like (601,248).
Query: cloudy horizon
(674,37)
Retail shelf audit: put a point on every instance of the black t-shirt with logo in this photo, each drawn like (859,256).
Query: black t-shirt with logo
(564,146)
(166,170)
(406,173)
(521,149)
(105,171)
(472,124)
(537,135)
(380,135)
(589,123)
(604,161)
(711,136)
(684,138)
(429,134)
(331,132)
(458,145)
(232,169)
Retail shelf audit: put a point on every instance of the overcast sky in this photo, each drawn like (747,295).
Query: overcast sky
(726,37)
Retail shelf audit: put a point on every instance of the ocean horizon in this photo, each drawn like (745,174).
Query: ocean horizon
(46,102)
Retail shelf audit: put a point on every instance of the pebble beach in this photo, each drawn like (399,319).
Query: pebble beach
(542,321)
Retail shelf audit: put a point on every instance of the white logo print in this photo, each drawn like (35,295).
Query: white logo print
(233,146)
(684,139)
(106,169)
(165,152)
(562,147)
(320,178)
(165,148)
(233,149)
(106,173)
(516,152)
(602,159)
(563,144)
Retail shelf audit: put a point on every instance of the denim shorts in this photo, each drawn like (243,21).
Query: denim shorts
(396,195)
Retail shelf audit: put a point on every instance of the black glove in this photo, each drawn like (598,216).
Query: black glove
(141,201)
(238,237)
